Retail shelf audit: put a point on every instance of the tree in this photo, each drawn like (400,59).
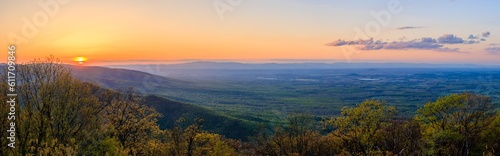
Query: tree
(303,133)
(57,113)
(299,137)
(401,137)
(190,134)
(452,124)
(490,137)
(192,140)
(360,127)
(4,120)
(211,144)
(132,123)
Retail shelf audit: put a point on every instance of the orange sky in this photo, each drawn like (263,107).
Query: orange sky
(120,32)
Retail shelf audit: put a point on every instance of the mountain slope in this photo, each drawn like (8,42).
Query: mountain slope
(214,122)
(120,78)
(171,110)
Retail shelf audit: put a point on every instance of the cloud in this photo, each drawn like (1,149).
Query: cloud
(426,43)
(342,42)
(471,42)
(428,39)
(446,49)
(423,43)
(408,27)
(493,50)
(486,34)
(450,39)
(473,37)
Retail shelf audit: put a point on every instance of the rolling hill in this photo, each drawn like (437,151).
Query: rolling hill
(124,78)
(171,110)
(214,121)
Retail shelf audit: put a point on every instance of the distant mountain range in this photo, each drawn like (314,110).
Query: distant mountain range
(340,65)
(238,65)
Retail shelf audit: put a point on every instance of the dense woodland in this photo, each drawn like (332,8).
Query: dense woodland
(60,115)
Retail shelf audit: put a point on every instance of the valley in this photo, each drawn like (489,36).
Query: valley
(267,93)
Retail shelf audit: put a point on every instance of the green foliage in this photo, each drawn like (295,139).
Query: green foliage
(453,124)
(360,127)
(4,110)
(298,137)
(214,122)
(490,137)
(370,128)
(190,140)
(108,146)
(401,137)
(56,110)
(131,122)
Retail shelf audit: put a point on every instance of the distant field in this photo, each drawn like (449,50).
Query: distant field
(268,95)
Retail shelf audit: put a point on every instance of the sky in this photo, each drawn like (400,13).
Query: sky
(161,31)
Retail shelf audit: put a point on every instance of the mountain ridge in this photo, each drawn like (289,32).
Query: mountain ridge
(119,78)
(310,65)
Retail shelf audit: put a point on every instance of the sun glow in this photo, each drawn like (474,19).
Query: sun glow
(80,60)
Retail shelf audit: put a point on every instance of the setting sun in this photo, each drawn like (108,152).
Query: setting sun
(80,60)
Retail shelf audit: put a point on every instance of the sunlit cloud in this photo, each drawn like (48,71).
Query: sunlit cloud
(426,43)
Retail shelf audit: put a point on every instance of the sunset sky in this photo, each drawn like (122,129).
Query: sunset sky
(133,31)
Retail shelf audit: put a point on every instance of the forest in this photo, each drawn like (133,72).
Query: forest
(268,92)
(58,114)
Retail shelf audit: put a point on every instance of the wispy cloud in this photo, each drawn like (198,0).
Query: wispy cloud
(452,50)
(408,27)
(428,43)
(493,50)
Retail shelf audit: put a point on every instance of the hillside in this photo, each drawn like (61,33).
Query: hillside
(120,78)
(214,122)
(171,110)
